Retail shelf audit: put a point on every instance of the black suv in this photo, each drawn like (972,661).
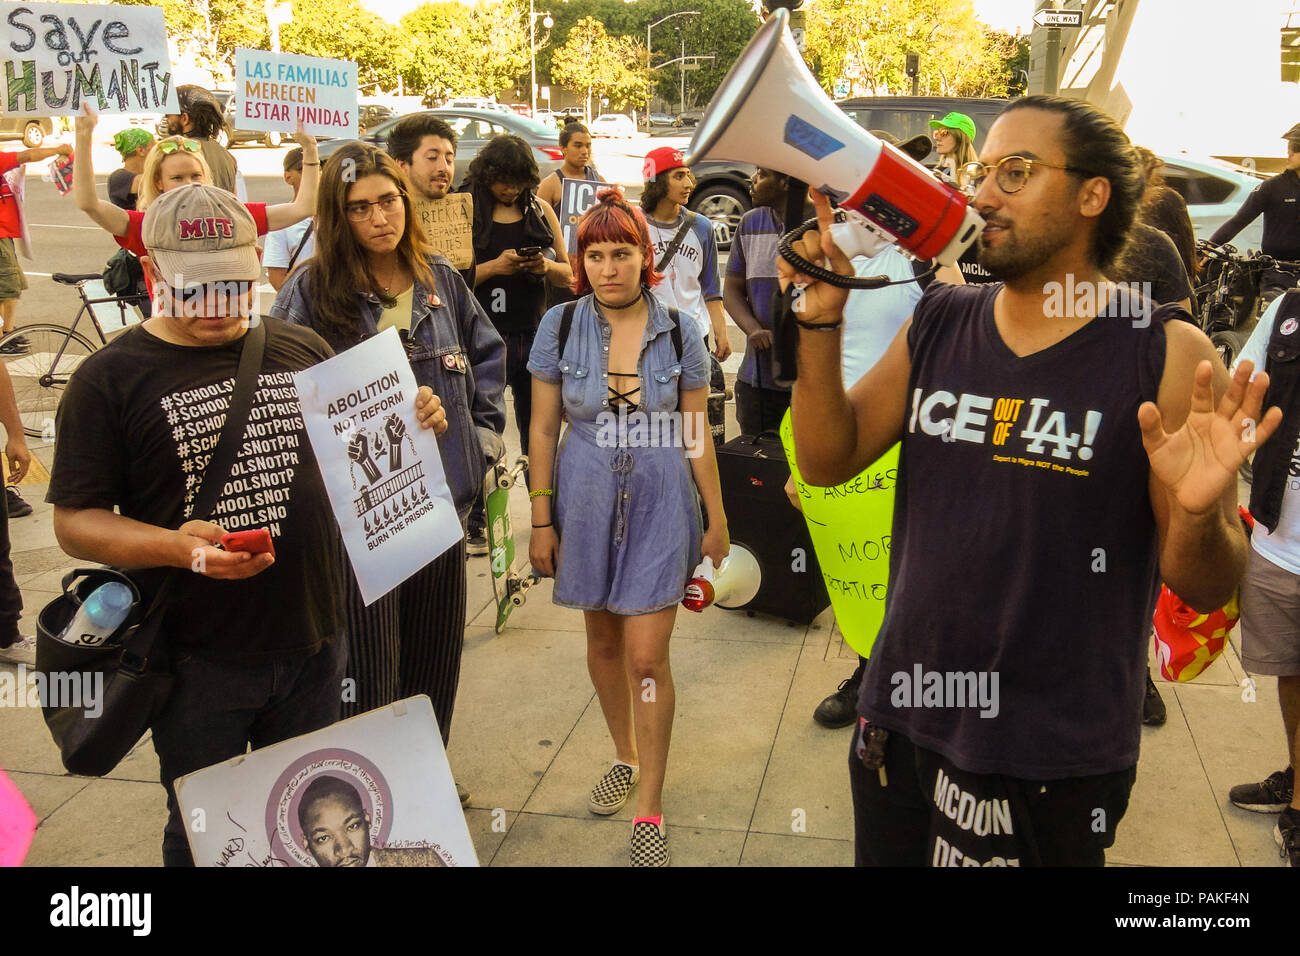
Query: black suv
(906,116)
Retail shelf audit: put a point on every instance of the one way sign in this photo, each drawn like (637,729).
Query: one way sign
(1059,18)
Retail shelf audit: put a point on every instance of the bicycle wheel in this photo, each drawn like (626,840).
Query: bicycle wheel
(1228,344)
(40,358)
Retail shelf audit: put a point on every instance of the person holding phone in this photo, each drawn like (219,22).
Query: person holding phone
(519,249)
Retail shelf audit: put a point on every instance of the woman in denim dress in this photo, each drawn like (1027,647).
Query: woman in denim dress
(616,514)
(371,270)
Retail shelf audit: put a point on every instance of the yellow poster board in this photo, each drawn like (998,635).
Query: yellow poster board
(851,525)
(449,226)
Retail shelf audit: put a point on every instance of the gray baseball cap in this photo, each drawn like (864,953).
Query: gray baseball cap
(199,233)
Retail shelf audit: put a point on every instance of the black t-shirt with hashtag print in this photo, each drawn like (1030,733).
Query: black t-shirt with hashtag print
(136,429)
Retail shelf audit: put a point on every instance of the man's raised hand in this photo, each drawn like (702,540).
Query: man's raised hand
(1198,462)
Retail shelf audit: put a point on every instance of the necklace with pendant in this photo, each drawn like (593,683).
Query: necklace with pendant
(386,298)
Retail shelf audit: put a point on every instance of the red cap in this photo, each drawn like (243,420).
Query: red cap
(660,161)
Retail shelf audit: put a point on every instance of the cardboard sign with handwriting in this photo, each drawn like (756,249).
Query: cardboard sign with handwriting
(449,226)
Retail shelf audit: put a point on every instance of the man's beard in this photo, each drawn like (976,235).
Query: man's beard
(1014,258)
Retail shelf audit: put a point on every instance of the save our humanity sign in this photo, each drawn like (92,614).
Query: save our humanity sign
(276,91)
(57,56)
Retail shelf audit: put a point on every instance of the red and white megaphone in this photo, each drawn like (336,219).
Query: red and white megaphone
(770,111)
(733,584)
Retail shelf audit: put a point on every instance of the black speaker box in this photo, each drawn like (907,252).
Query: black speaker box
(754,471)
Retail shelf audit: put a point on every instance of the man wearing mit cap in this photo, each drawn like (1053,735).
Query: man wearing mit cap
(1279,200)
(253,640)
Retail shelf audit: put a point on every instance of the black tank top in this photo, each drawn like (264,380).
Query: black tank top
(1024,555)
(513,303)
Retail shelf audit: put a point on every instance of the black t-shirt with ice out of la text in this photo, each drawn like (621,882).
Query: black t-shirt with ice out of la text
(136,429)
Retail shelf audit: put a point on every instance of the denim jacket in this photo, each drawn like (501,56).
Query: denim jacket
(453,349)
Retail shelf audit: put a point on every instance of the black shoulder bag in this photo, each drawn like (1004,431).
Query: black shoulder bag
(128,682)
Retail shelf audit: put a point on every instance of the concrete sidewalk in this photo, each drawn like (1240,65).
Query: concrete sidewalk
(748,765)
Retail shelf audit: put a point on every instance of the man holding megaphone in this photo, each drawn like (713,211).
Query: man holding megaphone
(1057,460)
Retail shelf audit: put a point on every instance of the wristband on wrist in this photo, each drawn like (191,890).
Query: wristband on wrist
(818,326)
(541,491)
(547,525)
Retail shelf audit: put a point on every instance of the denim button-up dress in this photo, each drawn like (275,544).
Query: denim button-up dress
(625,505)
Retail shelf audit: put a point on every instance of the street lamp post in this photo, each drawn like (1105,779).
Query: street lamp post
(532,51)
(649,61)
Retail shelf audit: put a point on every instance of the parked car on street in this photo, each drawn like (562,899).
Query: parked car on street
(474,127)
(32,130)
(657,121)
(370,115)
(1214,190)
(612,124)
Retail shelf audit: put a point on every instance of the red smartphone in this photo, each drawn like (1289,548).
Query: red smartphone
(256,541)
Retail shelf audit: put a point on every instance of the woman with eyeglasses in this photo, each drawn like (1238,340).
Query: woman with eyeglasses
(954,141)
(177,161)
(373,270)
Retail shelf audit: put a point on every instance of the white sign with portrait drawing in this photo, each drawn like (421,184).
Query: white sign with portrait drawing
(374,790)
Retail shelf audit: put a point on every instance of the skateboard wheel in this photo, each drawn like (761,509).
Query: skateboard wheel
(517,600)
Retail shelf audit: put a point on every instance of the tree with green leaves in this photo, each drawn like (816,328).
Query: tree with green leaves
(343,29)
(440,59)
(210,30)
(599,65)
(865,43)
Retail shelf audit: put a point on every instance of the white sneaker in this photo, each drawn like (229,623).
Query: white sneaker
(24,652)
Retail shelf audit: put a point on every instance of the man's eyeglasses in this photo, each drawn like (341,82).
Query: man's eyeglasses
(1012,172)
(361,211)
(167,147)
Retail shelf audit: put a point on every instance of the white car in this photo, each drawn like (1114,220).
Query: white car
(1214,190)
(612,124)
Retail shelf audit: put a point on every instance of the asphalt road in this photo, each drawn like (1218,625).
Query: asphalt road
(65,240)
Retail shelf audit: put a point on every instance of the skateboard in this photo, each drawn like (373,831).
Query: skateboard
(510,584)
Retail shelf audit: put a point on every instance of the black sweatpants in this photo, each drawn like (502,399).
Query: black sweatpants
(11,599)
(929,812)
(409,641)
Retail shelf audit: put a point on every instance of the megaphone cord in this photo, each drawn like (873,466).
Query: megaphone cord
(785,246)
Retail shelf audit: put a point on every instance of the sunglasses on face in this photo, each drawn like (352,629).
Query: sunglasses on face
(189,145)
(1011,173)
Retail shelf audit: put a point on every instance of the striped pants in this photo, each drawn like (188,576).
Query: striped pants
(409,641)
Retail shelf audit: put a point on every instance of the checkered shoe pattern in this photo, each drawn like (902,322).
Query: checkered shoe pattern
(612,791)
(649,844)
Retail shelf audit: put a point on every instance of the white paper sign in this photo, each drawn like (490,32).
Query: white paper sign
(374,790)
(382,470)
(59,55)
(273,91)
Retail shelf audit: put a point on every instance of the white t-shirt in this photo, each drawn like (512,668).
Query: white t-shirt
(872,317)
(1282,546)
(281,243)
(691,277)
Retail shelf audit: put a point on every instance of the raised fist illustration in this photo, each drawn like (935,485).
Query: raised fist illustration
(359,452)
(395,429)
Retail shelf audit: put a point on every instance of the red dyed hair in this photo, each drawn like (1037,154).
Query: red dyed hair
(613,219)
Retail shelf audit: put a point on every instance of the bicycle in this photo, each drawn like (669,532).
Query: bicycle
(1227,298)
(40,358)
